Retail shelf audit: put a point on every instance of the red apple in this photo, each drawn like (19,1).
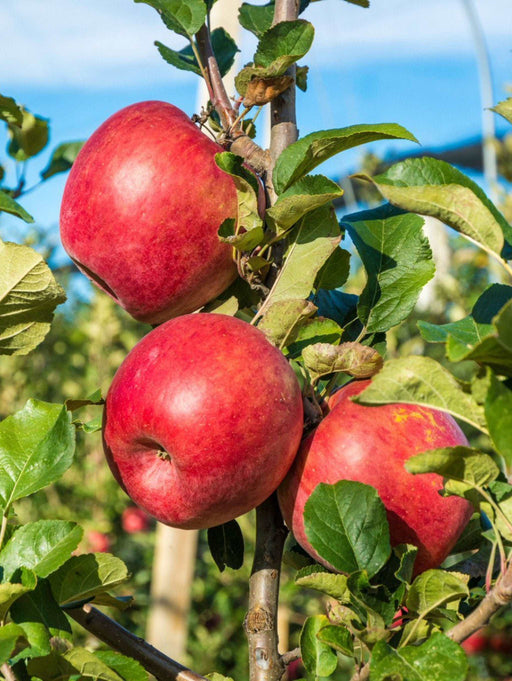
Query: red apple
(202,420)
(476,643)
(141,210)
(370,445)
(97,542)
(134,519)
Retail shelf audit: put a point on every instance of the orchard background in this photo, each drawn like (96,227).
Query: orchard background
(90,336)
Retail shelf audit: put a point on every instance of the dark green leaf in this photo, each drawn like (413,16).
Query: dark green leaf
(9,205)
(504,109)
(301,77)
(398,263)
(283,319)
(223,45)
(185,17)
(355,359)
(10,112)
(346,524)
(495,350)
(182,59)
(10,592)
(256,18)
(29,295)
(303,156)
(284,44)
(360,3)
(41,546)
(498,414)
(335,271)
(337,638)
(423,381)
(226,544)
(318,658)
(127,668)
(432,187)
(337,305)
(29,139)
(39,606)
(36,447)
(62,159)
(9,636)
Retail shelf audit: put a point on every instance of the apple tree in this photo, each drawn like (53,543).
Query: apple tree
(399,517)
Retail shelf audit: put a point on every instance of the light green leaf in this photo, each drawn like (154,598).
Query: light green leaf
(29,139)
(10,112)
(184,17)
(434,589)
(28,296)
(498,414)
(319,578)
(38,638)
(284,44)
(62,159)
(75,663)
(9,593)
(351,358)
(316,330)
(41,546)
(318,658)
(9,205)
(337,638)
(423,381)
(36,447)
(283,319)
(301,157)
(127,668)
(504,109)
(305,195)
(432,187)
(346,524)
(84,576)
(215,676)
(398,262)
(10,635)
(256,18)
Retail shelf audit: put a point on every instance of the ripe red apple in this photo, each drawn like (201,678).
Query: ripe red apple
(202,420)
(141,210)
(370,445)
(134,519)
(97,542)
(476,643)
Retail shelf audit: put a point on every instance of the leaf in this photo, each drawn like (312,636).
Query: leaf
(10,112)
(438,659)
(307,194)
(318,658)
(319,578)
(423,381)
(261,91)
(184,59)
(39,606)
(10,592)
(337,305)
(40,546)
(354,359)
(28,296)
(226,544)
(360,3)
(38,638)
(83,577)
(301,77)
(335,270)
(504,109)
(52,667)
(36,447)
(433,589)
(29,139)
(62,159)
(283,44)
(346,524)
(301,157)
(77,662)
(495,350)
(283,319)
(184,17)
(337,638)
(224,48)
(498,414)
(256,18)
(316,330)
(432,187)
(9,636)
(398,262)
(310,244)
(127,668)
(9,205)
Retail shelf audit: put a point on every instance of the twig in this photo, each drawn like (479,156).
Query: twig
(265,663)
(113,634)
(8,673)
(290,656)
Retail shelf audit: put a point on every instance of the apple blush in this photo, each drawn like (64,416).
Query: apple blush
(202,421)
(370,445)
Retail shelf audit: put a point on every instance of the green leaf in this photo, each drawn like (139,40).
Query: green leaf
(337,638)
(127,668)
(354,359)
(432,187)
(335,270)
(495,350)
(62,159)
(310,244)
(423,381)
(301,77)
(9,637)
(283,320)
(40,607)
(346,524)
(28,296)
(10,112)
(504,109)
(184,17)
(224,48)
(498,414)
(226,544)
(9,205)
(284,44)
(215,676)
(433,589)
(84,576)
(52,667)
(184,59)
(316,330)
(29,139)
(464,468)
(318,658)
(398,263)
(307,194)
(10,592)
(256,18)
(42,546)
(36,447)
(303,156)
(359,3)
(76,663)
(38,638)
(319,578)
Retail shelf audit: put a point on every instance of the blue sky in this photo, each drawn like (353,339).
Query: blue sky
(405,61)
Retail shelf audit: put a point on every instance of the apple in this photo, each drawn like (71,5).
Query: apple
(141,210)
(134,519)
(370,445)
(476,643)
(202,421)
(98,542)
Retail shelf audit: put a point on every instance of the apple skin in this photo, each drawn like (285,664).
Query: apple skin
(221,401)
(141,210)
(370,445)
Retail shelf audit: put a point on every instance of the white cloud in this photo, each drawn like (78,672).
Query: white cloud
(108,44)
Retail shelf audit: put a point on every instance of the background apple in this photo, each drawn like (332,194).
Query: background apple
(141,210)
(97,542)
(134,519)
(370,445)
(202,420)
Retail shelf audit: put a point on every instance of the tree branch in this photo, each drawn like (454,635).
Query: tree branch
(113,634)
(8,673)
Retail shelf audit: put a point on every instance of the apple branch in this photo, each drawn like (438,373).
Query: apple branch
(117,637)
